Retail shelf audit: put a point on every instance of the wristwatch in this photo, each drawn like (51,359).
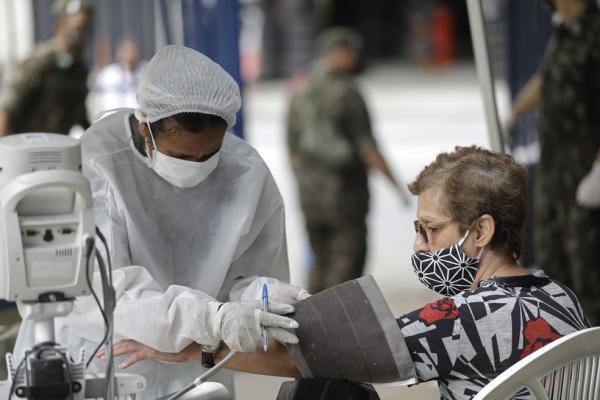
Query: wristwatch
(208,354)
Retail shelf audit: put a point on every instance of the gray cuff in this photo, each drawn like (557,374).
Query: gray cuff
(348,332)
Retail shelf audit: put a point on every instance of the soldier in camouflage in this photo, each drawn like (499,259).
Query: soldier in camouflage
(331,148)
(567,90)
(47,91)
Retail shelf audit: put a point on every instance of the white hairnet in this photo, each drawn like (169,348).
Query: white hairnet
(178,79)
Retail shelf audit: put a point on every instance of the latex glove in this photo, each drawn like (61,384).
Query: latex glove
(588,192)
(240,324)
(279,292)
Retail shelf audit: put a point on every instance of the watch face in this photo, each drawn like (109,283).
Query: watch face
(208,360)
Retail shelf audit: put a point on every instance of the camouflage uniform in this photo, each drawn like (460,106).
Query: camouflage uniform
(47,92)
(328,127)
(568,236)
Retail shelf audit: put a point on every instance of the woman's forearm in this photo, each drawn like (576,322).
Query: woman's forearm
(275,362)
(528,98)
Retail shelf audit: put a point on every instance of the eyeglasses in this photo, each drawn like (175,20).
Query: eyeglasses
(427,230)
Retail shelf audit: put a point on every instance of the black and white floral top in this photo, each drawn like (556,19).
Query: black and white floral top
(466,340)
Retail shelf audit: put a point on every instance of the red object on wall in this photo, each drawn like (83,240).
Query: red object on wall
(443,35)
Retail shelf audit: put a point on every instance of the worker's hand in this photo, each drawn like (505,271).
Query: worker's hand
(279,292)
(138,352)
(240,324)
(588,192)
(4,123)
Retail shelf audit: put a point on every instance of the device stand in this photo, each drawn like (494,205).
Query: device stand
(43,315)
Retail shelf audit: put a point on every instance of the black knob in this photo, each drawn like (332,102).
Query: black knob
(48,236)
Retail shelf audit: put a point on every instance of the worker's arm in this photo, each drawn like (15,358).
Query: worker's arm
(4,123)
(275,362)
(528,99)
(373,159)
(356,121)
(168,320)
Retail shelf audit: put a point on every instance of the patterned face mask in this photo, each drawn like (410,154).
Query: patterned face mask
(447,271)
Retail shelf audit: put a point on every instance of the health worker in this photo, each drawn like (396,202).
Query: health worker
(192,216)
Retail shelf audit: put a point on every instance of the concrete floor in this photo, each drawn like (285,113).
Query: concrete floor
(416,114)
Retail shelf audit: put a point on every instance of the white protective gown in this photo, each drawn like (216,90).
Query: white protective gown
(193,246)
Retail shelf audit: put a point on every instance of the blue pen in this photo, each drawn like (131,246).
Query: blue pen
(265,300)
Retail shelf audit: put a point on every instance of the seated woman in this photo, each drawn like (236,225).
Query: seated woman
(470,214)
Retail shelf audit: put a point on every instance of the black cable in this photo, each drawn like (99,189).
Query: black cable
(104,317)
(104,278)
(109,303)
(109,306)
(103,240)
(69,377)
(16,377)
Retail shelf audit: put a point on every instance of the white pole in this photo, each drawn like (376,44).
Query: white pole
(484,71)
(24,28)
(16,32)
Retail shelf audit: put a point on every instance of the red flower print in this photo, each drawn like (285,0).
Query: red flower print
(441,309)
(537,333)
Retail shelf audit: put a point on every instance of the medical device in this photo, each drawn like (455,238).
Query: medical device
(46,258)
(47,236)
(357,315)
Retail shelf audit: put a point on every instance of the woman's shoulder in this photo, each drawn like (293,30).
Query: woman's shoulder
(539,294)
(107,135)
(491,295)
(238,153)
(515,286)
(506,286)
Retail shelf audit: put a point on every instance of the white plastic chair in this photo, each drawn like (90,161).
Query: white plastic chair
(568,368)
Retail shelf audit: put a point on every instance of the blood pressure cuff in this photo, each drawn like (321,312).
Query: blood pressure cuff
(319,388)
(348,332)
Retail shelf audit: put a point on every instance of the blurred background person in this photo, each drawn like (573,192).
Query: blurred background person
(46,93)
(117,83)
(331,149)
(48,90)
(567,234)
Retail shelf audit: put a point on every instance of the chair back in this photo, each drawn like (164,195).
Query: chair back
(568,368)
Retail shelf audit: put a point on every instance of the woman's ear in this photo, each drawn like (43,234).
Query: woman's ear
(144,131)
(485,226)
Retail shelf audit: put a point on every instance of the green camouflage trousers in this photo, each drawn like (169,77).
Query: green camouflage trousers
(339,253)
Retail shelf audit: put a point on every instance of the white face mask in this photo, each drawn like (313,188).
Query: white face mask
(178,172)
(182,173)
